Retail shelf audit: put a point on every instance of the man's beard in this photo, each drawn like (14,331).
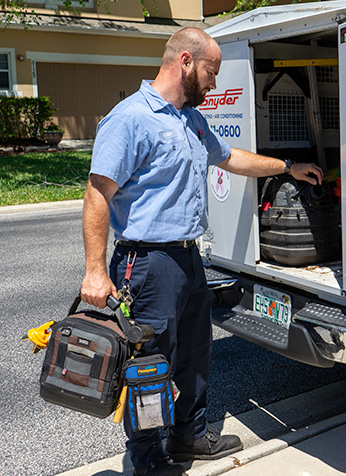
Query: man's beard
(192,90)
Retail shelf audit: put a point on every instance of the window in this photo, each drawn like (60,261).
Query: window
(8,77)
(4,72)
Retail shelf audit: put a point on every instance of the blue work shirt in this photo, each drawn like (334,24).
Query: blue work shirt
(159,157)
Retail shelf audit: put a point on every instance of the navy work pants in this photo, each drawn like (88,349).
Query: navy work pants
(170,293)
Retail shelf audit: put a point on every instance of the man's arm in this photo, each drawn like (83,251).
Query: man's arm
(97,285)
(242,162)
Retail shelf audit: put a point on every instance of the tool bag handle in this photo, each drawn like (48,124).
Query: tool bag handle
(112,303)
(133,333)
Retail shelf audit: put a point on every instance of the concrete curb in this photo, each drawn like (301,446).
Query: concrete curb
(121,465)
(217,468)
(35,207)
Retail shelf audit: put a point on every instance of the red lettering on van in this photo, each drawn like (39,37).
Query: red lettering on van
(213,101)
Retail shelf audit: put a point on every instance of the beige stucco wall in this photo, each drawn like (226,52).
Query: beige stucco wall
(70,43)
(132,9)
(179,9)
(123,9)
(213,7)
(23,70)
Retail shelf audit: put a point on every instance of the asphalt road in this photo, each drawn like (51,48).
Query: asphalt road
(42,263)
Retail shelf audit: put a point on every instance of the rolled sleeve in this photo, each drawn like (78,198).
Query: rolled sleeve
(218,149)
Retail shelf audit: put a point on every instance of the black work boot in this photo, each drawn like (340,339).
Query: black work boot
(209,446)
(162,467)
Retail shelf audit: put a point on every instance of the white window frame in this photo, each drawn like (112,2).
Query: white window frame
(13,90)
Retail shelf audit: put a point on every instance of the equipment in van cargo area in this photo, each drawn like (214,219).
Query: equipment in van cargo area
(281,247)
(299,223)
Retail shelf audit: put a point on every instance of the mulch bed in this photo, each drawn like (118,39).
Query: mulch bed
(20,150)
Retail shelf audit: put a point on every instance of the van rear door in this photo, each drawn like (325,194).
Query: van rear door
(342,96)
(230,112)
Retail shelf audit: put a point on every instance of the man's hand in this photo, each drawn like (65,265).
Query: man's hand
(302,171)
(96,288)
(243,162)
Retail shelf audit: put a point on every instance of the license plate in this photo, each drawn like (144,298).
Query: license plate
(272,305)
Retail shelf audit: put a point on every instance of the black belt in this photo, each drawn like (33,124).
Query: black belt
(145,244)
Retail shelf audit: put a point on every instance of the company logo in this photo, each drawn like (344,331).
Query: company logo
(147,370)
(82,341)
(220,182)
(228,98)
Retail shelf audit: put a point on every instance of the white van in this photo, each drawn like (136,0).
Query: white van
(274,252)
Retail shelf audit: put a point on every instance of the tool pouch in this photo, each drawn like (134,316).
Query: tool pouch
(150,396)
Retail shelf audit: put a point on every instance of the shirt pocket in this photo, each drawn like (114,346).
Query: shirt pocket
(169,149)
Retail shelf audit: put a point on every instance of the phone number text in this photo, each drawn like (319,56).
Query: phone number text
(226,131)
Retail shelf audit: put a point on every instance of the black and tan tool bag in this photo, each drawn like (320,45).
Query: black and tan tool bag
(83,363)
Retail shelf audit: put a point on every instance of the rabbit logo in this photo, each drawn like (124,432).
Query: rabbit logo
(220,182)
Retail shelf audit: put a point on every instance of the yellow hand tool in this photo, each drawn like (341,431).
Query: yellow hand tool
(39,336)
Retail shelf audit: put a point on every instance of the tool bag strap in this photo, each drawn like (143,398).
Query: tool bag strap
(75,305)
(113,304)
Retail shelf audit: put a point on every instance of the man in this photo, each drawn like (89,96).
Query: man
(148,181)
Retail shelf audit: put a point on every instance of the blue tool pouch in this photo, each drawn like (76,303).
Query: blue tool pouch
(150,396)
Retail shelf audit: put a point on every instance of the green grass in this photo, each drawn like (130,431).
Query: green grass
(43,177)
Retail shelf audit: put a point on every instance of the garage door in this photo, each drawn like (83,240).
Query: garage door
(85,93)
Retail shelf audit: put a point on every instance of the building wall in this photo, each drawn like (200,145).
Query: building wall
(93,72)
(79,43)
(214,7)
(132,9)
(178,9)
(123,9)
(77,48)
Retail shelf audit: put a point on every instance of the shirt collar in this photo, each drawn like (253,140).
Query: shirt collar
(156,102)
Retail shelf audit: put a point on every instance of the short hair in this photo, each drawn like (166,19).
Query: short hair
(190,39)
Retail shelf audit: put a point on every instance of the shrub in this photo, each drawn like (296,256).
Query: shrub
(22,120)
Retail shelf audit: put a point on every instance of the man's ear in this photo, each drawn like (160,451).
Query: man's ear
(186,60)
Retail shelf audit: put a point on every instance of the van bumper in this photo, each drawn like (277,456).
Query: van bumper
(315,336)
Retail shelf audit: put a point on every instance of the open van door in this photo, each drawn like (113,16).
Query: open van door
(342,94)
(230,112)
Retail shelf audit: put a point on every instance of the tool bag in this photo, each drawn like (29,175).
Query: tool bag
(150,396)
(82,368)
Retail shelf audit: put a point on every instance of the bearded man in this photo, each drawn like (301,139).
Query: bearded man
(148,180)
